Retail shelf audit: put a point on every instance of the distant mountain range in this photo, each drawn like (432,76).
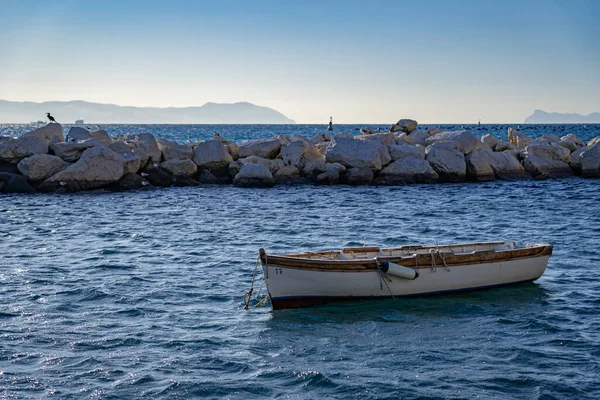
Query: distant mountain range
(543,117)
(67,112)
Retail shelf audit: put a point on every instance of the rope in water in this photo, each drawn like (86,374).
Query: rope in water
(248,294)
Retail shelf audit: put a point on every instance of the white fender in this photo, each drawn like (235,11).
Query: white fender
(398,270)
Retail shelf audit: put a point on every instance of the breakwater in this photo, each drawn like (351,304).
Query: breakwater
(45,160)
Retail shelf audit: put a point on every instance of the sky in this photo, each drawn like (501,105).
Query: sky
(362,61)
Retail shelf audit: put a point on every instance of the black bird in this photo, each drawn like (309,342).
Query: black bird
(50,117)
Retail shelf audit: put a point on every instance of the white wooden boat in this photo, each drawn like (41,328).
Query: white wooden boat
(300,280)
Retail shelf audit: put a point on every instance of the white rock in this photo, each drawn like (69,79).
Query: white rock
(593,142)
(354,153)
(398,151)
(174,151)
(518,138)
(254,175)
(265,148)
(408,170)
(40,167)
(447,161)
(465,141)
(211,154)
(180,167)
(97,166)
(571,142)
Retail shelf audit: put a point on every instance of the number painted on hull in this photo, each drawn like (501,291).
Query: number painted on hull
(278,271)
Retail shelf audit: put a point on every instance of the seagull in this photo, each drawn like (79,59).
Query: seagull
(50,117)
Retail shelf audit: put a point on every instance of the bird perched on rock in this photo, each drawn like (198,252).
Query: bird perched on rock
(50,117)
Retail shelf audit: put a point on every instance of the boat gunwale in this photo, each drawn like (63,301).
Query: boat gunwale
(416,261)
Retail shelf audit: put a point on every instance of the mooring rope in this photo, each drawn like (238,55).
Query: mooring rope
(382,279)
(248,294)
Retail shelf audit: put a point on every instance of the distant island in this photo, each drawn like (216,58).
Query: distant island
(543,117)
(67,112)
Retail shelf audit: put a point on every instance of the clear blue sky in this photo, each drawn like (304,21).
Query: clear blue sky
(358,61)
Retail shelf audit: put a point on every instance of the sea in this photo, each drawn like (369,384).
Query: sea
(139,295)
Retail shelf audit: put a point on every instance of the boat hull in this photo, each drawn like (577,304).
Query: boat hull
(293,286)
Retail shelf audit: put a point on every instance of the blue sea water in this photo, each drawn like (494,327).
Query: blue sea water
(139,294)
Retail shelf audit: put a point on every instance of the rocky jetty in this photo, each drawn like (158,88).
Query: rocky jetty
(45,161)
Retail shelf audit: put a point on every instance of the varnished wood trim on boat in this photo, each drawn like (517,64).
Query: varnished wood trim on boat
(417,262)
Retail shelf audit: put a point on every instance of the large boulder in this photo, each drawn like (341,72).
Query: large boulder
(543,168)
(129,181)
(593,141)
(518,138)
(408,170)
(293,153)
(77,133)
(14,150)
(398,151)
(464,141)
(503,145)
(575,160)
(548,138)
(180,167)
(133,162)
(254,175)
(173,150)
(265,148)
(211,155)
(551,151)
(479,166)
(414,138)
(571,142)
(40,167)
(14,183)
(287,174)
(157,176)
(51,133)
(404,125)
(447,161)
(97,167)
(385,138)
(506,166)
(145,145)
(102,136)
(359,176)
(273,165)
(354,153)
(489,140)
(331,175)
(320,138)
(71,151)
(590,162)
